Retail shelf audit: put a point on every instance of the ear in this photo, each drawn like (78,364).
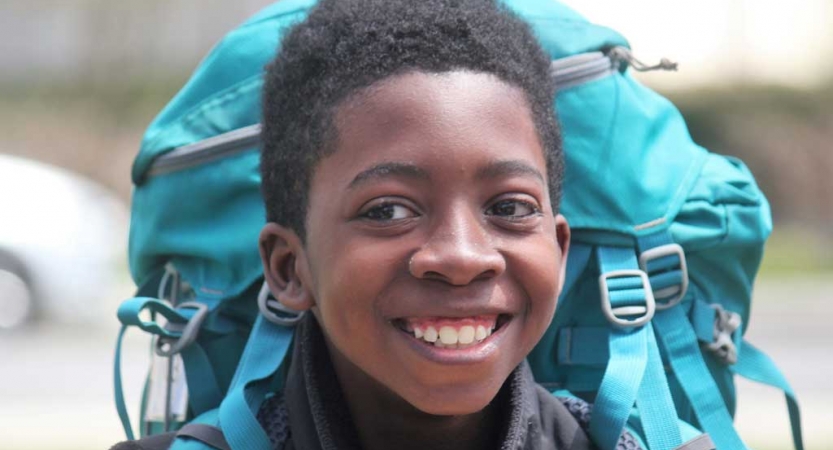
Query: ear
(562,235)
(284,266)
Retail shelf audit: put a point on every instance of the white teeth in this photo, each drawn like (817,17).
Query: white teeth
(466,335)
(430,334)
(452,337)
(480,333)
(448,335)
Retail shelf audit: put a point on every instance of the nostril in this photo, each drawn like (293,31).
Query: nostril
(431,275)
(486,275)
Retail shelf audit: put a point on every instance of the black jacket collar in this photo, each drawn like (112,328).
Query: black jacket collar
(319,418)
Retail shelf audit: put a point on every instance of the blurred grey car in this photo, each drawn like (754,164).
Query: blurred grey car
(62,245)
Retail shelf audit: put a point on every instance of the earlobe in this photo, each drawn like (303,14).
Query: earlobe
(282,256)
(562,235)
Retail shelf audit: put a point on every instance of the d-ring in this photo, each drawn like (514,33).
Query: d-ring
(268,307)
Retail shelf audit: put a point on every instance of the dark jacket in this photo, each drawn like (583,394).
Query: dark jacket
(312,414)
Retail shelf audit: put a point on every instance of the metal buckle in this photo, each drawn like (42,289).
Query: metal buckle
(270,307)
(645,313)
(725,324)
(671,295)
(166,346)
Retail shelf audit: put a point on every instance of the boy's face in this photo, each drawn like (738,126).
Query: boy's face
(432,213)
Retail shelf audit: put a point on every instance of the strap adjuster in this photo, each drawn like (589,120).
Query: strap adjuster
(274,311)
(726,323)
(668,295)
(188,331)
(620,314)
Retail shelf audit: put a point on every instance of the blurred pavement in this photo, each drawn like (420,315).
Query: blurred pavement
(56,383)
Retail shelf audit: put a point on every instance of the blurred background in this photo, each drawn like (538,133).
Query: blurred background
(81,79)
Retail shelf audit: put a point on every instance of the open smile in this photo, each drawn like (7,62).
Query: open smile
(454,339)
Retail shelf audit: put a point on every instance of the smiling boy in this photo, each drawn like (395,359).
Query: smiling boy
(412,171)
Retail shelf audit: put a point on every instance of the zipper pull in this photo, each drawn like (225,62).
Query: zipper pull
(623,55)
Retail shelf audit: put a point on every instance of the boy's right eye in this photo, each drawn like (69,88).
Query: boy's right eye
(387,212)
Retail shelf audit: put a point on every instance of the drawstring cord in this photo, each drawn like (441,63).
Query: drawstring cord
(624,55)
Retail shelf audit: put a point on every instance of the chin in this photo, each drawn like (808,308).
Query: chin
(442,404)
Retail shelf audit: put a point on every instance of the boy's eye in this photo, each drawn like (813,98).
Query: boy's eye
(388,212)
(513,209)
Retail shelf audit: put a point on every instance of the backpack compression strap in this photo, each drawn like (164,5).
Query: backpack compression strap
(755,365)
(634,373)
(680,341)
(183,325)
(265,351)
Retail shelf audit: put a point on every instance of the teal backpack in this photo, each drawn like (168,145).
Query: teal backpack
(667,239)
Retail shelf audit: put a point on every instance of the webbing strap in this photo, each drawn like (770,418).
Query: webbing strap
(702,319)
(120,406)
(626,366)
(694,377)
(129,314)
(683,351)
(265,350)
(203,389)
(630,355)
(583,346)
(202,384)
(655,404)
(755,365)
(577,259)
(617,392)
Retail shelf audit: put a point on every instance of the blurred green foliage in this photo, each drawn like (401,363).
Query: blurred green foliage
(796,252)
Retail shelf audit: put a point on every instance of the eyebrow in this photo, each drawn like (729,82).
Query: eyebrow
(386,170)
(509,167)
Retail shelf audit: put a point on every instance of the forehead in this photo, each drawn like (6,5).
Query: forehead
(419,113)
(418,94)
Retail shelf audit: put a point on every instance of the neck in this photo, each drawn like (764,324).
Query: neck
(384,420)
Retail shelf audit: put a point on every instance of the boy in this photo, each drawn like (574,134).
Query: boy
(411,170)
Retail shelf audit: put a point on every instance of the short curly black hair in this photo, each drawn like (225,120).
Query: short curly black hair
(347,45)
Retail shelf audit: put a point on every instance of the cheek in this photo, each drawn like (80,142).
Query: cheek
(351,280)
(537,270)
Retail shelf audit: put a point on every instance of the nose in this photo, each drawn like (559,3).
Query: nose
(458,251)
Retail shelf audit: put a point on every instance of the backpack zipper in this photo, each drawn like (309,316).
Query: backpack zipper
(206,150)
(568,72)
(579,69)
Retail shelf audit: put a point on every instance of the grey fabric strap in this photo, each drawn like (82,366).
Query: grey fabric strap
(205,433)
(702,442)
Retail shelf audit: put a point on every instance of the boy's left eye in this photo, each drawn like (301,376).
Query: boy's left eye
(513,209)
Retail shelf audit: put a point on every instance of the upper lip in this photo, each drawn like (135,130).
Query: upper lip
(453,314)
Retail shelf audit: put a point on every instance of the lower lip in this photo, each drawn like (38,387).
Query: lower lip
(453,356)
